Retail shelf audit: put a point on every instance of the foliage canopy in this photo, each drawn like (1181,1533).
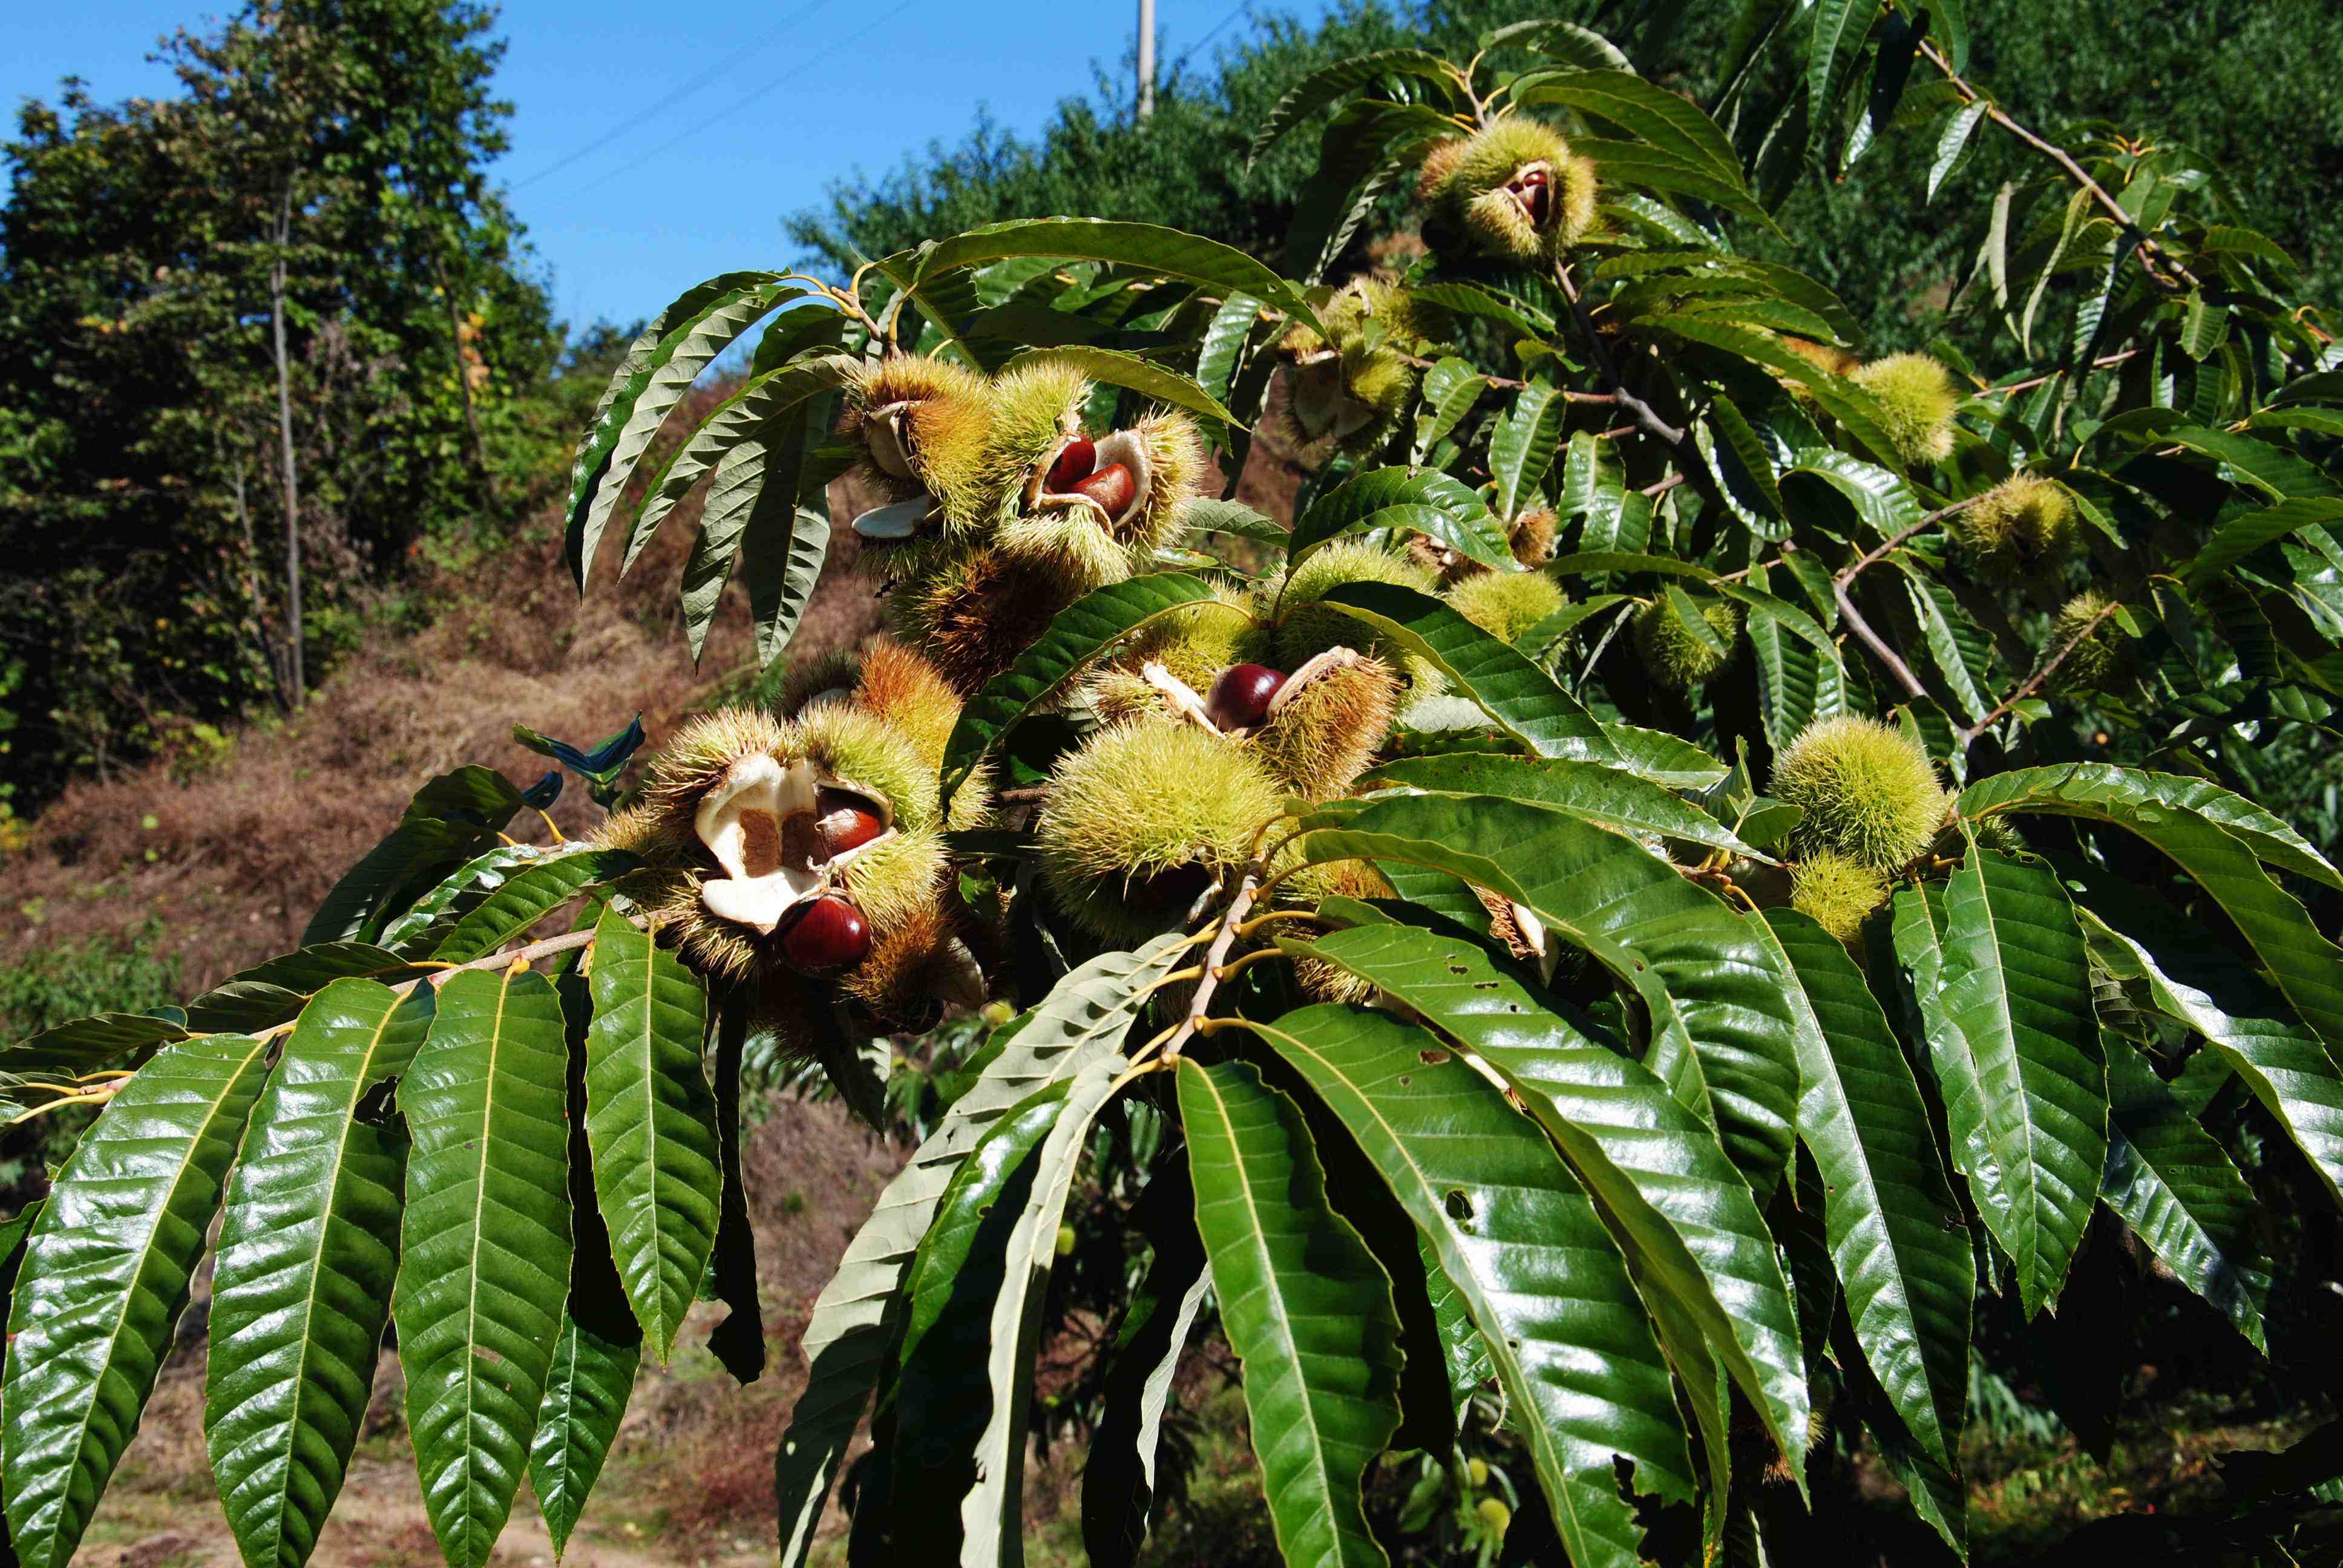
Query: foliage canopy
(1650,1045)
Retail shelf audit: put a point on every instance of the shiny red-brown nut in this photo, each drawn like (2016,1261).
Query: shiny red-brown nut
(1536,187)
(1111,487)
(1077,460)
(1240,698)
(829,935)
(847,822)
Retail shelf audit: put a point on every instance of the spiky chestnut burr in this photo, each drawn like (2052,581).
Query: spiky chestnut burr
(2023,525)
(2098,649)
(1838,891)
(1513,191)
(1143,819)
(1506,604)
(1345,389)
(1868,791)
(1674,652)
(919,427)
(1916,403)
(1301,626)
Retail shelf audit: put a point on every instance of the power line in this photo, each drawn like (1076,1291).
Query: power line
(693,85)
(1245,9)
(802,66)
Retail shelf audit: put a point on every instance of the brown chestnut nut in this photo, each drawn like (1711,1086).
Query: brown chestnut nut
(1077,459)
(1240,698)
(1111,487)
(847,820)
(829,934)
(1535,190)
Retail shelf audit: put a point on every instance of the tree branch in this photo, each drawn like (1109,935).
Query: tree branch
(1873,641)
(1248,888)
(2033,683)
(2151,255)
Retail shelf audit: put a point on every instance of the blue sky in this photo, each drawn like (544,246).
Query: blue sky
(781,99)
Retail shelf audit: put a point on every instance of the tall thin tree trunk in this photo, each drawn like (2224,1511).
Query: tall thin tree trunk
(295,683)
(252,590)
(484,480)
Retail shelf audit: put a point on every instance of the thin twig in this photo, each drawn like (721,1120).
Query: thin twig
(1248,888)
(1873,557)
(1665,486)
(2033,683)
(1878,645)
(1601,353)
(2104,362)
(2151,254)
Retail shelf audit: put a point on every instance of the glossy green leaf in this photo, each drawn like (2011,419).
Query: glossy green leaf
(1955,146)
(2283,1064)
(1521,697)
(1799,676)
(307,1256)
(659,369)
(411,858)
(1144,376)
(1679,1205)
(1232,517)
(2016,985)
(1722,1036)
(1395,497)
(425,921)
(1147,248)
(782,555)
(1642,108)
(760,407)
(753,506)
(1896,1231)
(2172,1184)
(1306,1308)
(940,1395)
(1850,405)
(2216,837)
(600,1346)
(1451,389)
(992,1515)
(1521,448)
(1224,345)
(104,1277)
(846,1337)
(1330,83)
(650,1122)
(1079,634)
(527,897)
(1607,797)
(2241,536)
(1519,1237)
(274,993)
(485,1247)
(1658,170)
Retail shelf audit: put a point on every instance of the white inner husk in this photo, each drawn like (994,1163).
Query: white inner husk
(1124,447)
(760,823)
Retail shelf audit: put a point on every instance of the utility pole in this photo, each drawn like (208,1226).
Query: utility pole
(1146,58)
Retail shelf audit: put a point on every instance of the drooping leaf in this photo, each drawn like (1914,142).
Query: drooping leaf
(739,1341)
(486,1246)
(1079,633)
(1644,109)
(941,1397)
(1330,83)
(2283,1064)
(308,1256)
(2015,986)
(600,1346)
(1521,697)
(1144,376)
(1895,1230)
(104,1276)
(1306,1308)
(992,1516)
(846,1339)
(1519,1237)
(1146,248)
(651,1123)
(2174,1186)
(2214,837)
(1678,1203)
(1722,1031)
(659,369)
